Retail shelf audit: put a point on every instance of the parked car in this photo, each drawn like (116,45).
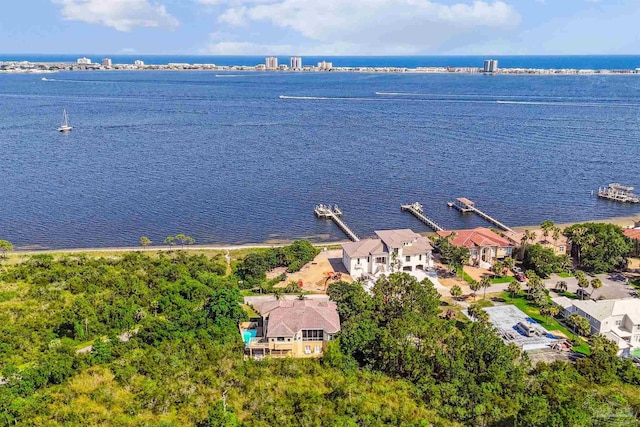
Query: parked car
(582,293)
(517,270)
(520,277)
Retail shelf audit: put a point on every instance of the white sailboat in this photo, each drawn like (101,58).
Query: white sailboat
(65,122)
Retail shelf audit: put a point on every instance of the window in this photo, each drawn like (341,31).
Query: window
(381,260)
(307,349)
(280,338)
(408,258)
(312,335)
(317,349)
(560,248)
(618,322)
(358,261)
(419,257)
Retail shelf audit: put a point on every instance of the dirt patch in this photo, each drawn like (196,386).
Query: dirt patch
(314,274)
(276,272)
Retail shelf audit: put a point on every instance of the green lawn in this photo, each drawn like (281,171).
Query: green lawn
(250,311)
(565,275)
(505,279)
(549,324)
(465,276)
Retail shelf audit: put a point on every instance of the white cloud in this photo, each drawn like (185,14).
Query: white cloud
(123,15)
(384,26)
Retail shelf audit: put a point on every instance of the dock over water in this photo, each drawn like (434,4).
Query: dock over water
(417,210)
(465,205)
(334,213)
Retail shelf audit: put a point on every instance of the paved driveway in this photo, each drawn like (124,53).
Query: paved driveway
(612,287)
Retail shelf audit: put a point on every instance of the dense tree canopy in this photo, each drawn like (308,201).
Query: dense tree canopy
(599,247)
(152,339)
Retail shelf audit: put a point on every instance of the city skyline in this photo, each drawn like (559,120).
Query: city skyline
(332,28)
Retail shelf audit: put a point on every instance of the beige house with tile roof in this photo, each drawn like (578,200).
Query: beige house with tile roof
(393,250)
(485,246)
(293,328)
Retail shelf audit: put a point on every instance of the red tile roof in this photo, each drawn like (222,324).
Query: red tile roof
(632,233)
(477,237)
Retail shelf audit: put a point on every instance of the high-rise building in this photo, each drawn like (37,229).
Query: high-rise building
(325,66)
(106,62)
(490,66)
(83,61)
(271,63)
(295,63)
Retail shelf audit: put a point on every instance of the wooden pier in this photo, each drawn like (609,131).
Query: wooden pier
(416,210)
(465,205)
(334,213)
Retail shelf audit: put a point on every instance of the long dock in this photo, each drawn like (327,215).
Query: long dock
(416,210)
(465,205)
(334,213)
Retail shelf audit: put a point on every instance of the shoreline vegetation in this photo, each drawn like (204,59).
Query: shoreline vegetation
(621,221)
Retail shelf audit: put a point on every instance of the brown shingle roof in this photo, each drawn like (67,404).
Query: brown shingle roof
(292,316)
(632,233)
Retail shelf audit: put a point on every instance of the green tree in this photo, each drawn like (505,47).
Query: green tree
(547,228)
(498,268)
(484,284)
(599,247)
(220,415)
(456,291)
(478,313)
(182,239)
(579,324)
(145,241)
(595,285)
(170,240)
(5,247)
(509,263)
(583,281)
(514,288)
(475,287)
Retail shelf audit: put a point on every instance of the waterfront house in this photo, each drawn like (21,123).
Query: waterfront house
(559,246)
(291,328)
(485,246)
(393,250)
(634,235)
(617,319)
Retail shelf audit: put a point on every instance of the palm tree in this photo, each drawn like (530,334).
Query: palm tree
(583,282)
(554,310)
(556,233)
(475,287)
(170,240)
(456,291)
(485,283)
(498,268)
(562,286)
(145,241)
(547,227)
(509,263)
(595,284)
(477,313)
(514,288)
(545,311)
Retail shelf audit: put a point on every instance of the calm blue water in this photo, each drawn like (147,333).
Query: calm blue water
(627,62)
(248,334)
(221,157)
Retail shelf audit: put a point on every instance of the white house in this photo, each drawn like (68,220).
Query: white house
(393,250)
(616,319)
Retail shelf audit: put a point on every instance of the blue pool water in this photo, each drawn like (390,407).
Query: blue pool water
(248,334)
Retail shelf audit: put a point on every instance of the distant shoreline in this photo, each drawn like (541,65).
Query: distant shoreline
(622,221)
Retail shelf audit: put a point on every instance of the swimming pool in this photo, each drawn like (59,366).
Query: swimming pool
(247,334)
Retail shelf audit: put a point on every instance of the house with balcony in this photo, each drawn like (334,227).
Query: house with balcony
(485,246)
(291,328)
(392,251)
(616,319)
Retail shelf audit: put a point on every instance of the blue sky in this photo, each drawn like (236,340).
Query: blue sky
(321,27)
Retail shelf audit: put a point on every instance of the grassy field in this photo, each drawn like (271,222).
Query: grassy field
(500,280)
(549,324)
(565,275)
